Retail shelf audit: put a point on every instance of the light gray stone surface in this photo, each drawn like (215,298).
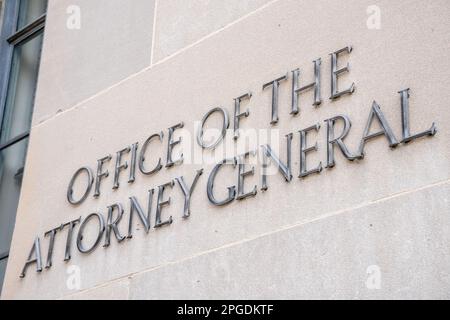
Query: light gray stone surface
(116,290)
(180,23)
(406,236)
(322,222)
(114,41)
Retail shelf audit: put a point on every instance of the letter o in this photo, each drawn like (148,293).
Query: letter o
(88,188)
(101,229)
(225,125)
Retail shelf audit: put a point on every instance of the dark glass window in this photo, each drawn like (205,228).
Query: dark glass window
(20,50)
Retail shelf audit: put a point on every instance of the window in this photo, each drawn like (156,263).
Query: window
(1,13)
(20,48)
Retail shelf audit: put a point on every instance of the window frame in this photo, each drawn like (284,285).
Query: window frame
(10,37)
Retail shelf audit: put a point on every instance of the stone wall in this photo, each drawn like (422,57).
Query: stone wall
(371,228)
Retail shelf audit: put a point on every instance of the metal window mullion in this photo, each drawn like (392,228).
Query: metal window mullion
(10,18)
(28,31)
(14,140)
(4,255)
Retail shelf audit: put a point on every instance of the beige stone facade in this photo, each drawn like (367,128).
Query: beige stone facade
(372,228)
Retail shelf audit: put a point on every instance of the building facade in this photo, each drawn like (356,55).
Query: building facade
(172,149)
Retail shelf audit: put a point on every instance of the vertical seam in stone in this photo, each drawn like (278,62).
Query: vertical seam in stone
(161,61)
(155,9)
(210,35)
